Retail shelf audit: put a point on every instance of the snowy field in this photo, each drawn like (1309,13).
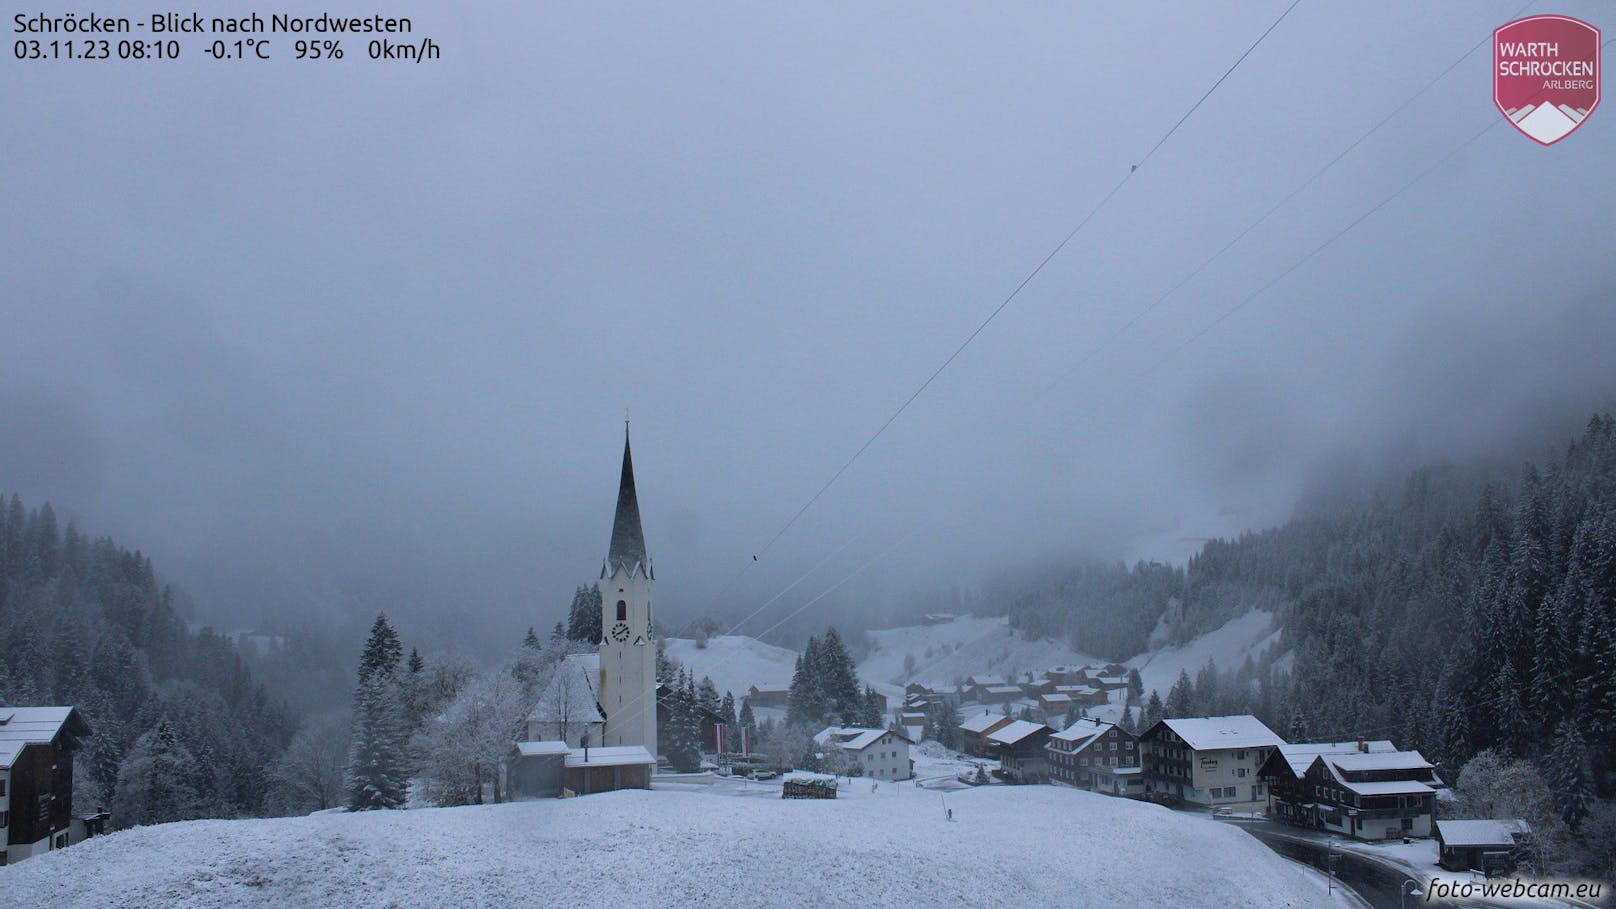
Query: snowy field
(735,662)
(723,843)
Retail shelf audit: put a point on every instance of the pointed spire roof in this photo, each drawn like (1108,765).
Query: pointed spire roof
(628,539)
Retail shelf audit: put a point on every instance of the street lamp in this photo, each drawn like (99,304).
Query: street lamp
(1410,888)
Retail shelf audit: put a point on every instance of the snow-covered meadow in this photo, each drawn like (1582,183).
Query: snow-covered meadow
(693,844)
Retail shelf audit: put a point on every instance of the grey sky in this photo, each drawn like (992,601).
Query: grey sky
(348,335)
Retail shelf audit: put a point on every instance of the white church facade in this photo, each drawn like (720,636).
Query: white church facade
(594,727)
(628,643)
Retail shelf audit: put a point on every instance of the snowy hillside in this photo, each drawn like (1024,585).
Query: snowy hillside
(964,646)
(701,846)
(1228,645)
(735,662)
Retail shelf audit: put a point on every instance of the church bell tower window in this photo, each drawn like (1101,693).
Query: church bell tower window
(622,611)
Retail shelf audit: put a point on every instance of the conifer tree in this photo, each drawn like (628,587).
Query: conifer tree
(1154,711)
(1181,697)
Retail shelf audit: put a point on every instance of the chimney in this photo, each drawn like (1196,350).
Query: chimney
(1363,746)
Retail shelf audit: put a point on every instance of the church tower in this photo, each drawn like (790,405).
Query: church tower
(627,646)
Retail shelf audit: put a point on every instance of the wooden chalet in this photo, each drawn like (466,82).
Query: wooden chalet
(1102,757)
(1367,790)
(1019,746)
(974,733)
(36,781)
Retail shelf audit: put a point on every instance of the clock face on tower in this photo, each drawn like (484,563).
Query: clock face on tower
(620,632)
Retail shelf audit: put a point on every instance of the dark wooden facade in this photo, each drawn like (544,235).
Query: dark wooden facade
(40,789)
(1084,763)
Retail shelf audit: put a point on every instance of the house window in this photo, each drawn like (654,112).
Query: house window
(1239,755)
(1241,772)
(5,818)
(622,611)
(2,789)
(1408,824)
(61,841)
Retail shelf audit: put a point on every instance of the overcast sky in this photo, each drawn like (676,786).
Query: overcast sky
(354,334)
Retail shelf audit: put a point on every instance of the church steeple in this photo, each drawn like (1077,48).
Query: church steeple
(627,551)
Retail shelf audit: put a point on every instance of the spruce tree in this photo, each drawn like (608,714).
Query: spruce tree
(378,758)
(383,650)
(1180,698)
(1154,711)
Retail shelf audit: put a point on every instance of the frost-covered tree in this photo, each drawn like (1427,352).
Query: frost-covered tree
(308,775)
(463,747)
(378,771)
(157,782)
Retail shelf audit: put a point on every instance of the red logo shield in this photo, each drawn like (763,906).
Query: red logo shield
(1546,75)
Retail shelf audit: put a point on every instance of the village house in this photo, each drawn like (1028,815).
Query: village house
(1086,695)
(1208,761)
(36,781)
(1367,790)
(1102,757)
(913,724)
(974,732)
(1055,706)
(990,690)
(878,753)
(1479,845)
(1067,675)
(769,696)
(1019,746)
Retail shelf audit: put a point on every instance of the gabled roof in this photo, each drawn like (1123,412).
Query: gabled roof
(1209,733)
(1002,689)
(1359,762)
(24,726)
(982,722)
(1082,732)
(974,680)
(1300,755)
(855,738)
(1490,832)
(1015,732)
(627,551)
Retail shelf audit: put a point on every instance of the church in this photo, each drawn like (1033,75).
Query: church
(594,727)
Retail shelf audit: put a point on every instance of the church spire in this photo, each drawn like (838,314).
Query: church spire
(628,539)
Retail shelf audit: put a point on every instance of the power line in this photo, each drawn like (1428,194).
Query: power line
(1300,188)
(1009,298)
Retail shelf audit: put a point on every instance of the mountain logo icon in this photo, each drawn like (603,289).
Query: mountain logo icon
(1546,75)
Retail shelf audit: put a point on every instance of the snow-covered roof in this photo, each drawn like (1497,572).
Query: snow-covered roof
(982,722)
(984,680)
(1388,787)
(609,756)
(534,749)
(570,695)
(853,738)
(1300,755)
(1083,727)
(1055,698)
(1015,732)
(1002,689)
(24,726)
(1383,760)
(1481,832)
(1207,733)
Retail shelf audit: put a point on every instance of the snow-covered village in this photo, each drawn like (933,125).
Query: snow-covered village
(833,455)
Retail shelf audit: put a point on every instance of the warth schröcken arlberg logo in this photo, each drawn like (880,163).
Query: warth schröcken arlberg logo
(1546,75)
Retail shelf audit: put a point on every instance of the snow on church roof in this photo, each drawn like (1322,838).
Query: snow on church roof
(570,697)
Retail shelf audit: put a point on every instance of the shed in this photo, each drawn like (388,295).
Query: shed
(609,768)
(535,769)
(1481,845)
